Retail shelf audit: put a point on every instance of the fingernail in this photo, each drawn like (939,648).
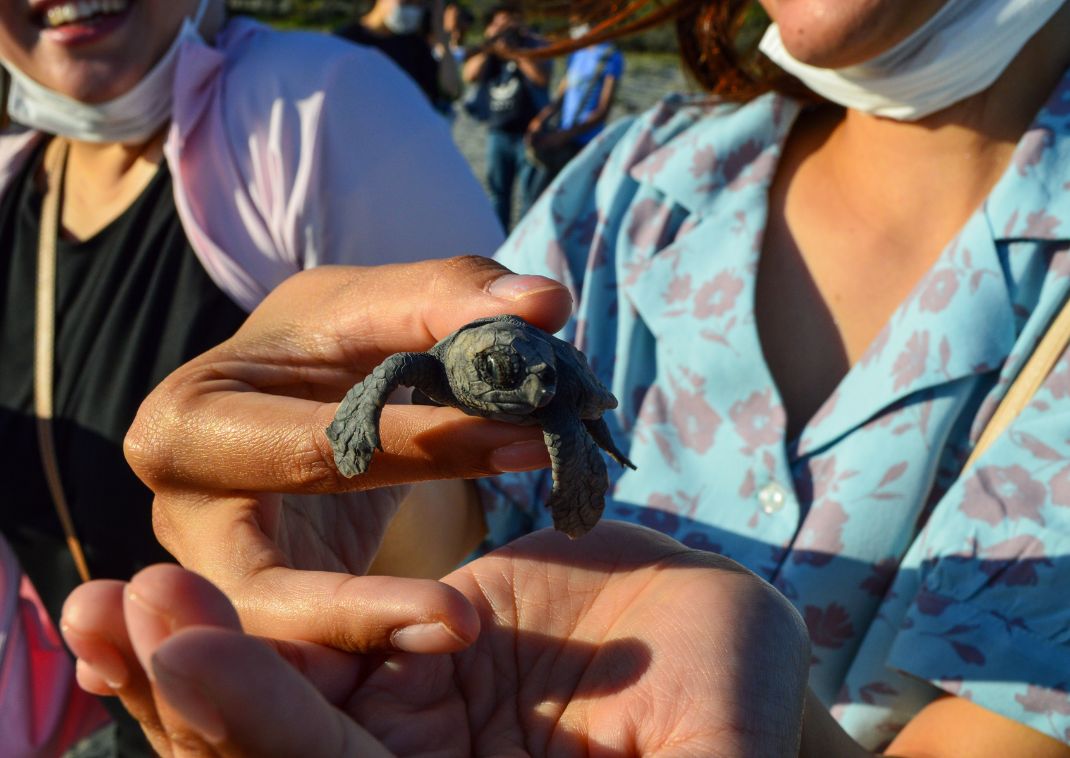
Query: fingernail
(191,701)
(147,629)
(520,456)
(98,655)
(426,638)
(516,286)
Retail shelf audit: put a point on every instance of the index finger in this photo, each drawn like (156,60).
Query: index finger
(221,422)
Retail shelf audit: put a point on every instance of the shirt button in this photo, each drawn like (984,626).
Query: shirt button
(772,498)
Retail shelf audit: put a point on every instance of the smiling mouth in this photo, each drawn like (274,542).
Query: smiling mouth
(80,12)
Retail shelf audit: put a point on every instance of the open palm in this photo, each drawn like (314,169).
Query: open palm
(623,643)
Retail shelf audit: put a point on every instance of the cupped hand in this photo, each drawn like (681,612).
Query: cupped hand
(221,437)
(622,643)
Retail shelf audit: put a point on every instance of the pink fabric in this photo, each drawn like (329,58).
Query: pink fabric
(292,149)
(42,709)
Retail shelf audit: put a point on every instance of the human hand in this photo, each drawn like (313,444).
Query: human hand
(623,643)
(226,432)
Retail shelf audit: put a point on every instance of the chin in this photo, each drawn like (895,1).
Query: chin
(93,83)
(839,33)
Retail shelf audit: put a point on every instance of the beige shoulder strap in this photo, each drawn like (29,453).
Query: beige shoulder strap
(1033,373)
(44,343)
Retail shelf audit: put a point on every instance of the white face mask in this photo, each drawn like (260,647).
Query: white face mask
(959,52)
(131,118)
(404,19)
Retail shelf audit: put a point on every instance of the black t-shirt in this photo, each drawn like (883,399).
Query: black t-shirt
(410,52)
(133,303)
(512,101)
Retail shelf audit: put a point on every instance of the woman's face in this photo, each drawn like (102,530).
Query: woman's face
(91,50)
(837,33)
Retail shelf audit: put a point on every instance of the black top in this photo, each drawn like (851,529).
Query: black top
(410,52)
(513,100)
(133,303)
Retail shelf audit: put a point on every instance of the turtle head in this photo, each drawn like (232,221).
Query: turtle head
(499,370)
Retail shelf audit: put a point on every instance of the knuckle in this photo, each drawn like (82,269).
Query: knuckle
(149,444)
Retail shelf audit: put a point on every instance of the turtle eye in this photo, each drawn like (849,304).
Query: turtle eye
(500,368)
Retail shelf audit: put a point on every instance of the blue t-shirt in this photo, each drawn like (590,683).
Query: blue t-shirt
(913,576)
(582,66)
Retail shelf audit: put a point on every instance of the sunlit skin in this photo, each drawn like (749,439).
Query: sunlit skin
(835,33)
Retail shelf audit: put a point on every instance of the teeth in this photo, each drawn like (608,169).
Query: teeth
(70,12)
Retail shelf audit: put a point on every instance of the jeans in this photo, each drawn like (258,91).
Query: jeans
(506,167)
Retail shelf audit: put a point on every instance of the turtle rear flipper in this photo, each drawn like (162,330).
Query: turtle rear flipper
(579,472)
(354,433)
(599,432)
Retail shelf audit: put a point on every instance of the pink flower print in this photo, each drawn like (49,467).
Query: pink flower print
(696,422)
(939,290)
(1040,224)
(880,578)
(703,162)
(1060,487)
(821,539)
(740,159)
(910,364)
(829,627)
(648,224)
(717,297)
(1031,148)
(1058,382)
(679,289)
(1060,263)
(996,493)
(1014,562)
(758,420)
(1044,700)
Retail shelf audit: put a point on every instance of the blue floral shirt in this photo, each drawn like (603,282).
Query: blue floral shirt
(911,578)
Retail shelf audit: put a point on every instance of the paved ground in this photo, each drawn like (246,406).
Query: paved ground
(647,78)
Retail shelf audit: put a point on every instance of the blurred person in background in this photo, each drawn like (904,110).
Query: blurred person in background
(457,21)
(513,89)
(170,167)
(582,104)
(411,34)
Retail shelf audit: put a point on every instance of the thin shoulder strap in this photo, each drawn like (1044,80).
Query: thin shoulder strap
(44,343)
(1047,352)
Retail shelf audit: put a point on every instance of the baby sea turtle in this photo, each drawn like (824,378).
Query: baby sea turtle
(501,368)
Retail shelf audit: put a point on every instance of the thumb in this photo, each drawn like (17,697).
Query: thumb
(375,311)
(239,696)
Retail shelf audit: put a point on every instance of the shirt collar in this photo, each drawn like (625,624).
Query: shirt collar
(726,146)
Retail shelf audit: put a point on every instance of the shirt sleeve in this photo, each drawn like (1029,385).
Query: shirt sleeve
(989,618)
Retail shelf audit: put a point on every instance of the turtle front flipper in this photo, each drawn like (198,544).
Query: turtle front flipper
(580,481)
(354,433)
(600,434)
